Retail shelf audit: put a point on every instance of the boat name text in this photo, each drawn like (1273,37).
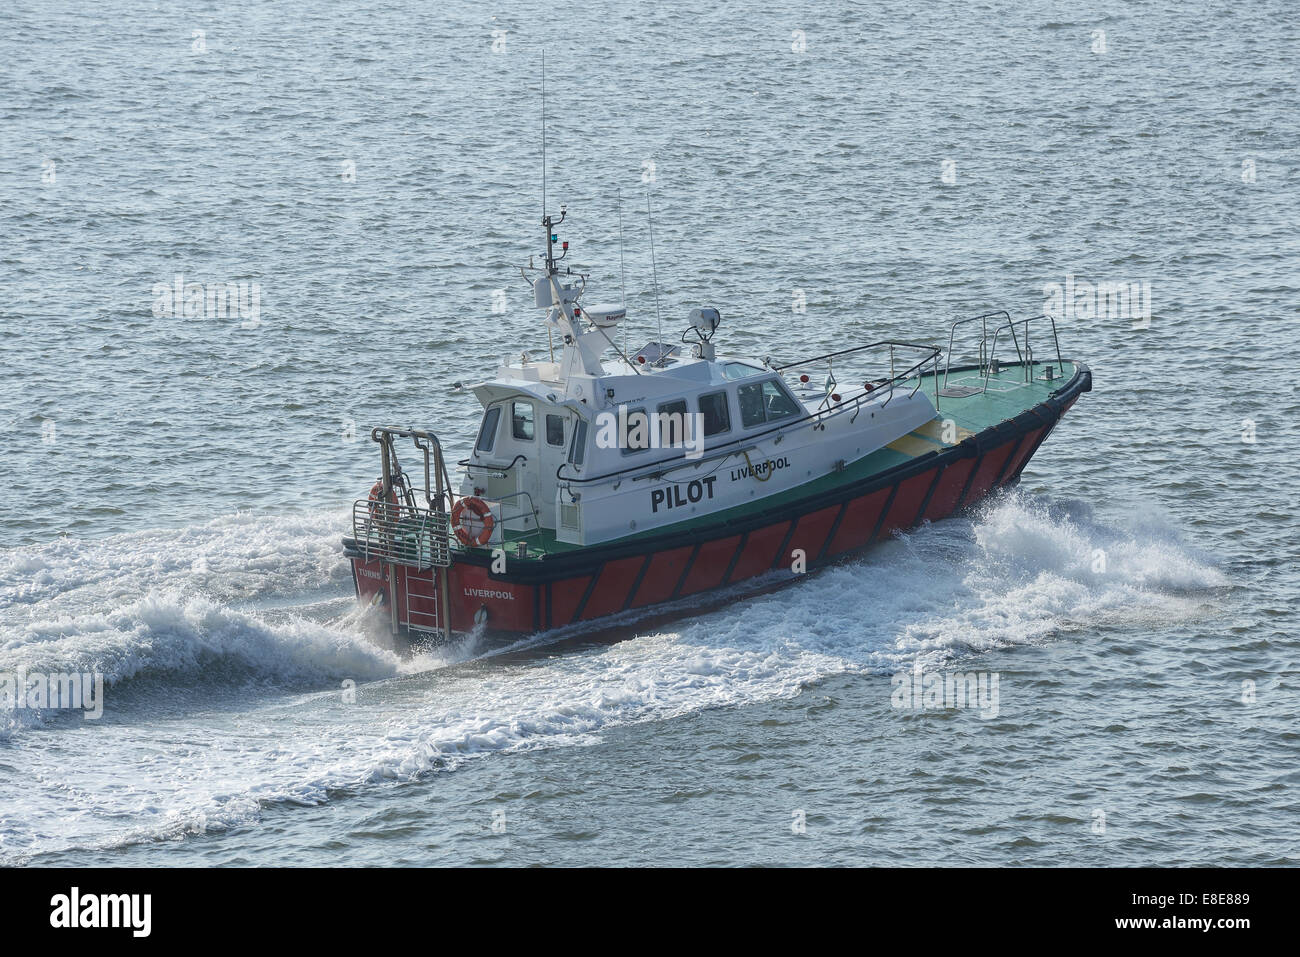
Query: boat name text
(760,469)
(673,497)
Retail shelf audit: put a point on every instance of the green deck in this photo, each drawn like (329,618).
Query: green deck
(1007,395)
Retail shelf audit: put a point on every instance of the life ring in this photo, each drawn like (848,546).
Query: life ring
(378,503)
(482,512)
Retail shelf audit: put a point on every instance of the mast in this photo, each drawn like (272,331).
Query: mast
(580,353)
(547,224)
(659,326)
(543,134)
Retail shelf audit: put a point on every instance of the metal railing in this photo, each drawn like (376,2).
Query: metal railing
(522,536)
(1025,355)
(402,534)
(849,403)
(391,528)
(988,348)
(869,388)
(983,319)
(501,470)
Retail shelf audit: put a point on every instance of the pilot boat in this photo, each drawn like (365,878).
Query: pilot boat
(603,482)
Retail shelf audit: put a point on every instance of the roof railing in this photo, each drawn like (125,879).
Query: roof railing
(847,404)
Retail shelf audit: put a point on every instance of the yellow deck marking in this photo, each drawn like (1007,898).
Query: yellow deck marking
(913,445)
(927,438)
(934,430)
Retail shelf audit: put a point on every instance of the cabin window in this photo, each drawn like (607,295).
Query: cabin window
(764,402)
(578,450)
(672,424)
(638,433)
(487,433)
(739,370)
(521,420)
(778,402)
(555,430)
(750,400)
(717,418)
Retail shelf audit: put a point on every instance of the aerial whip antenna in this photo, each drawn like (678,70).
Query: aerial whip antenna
(655,274)
(622,271)
(543,134)
(550,340)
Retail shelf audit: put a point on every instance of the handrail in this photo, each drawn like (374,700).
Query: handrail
(984,337)
(1027,356)
(845,352)
(405,534)
(890,382)
(535,531)
(532,508)
(846,404)
(440,465)
(988,350)
(401,534)
(467,464)
(438,482)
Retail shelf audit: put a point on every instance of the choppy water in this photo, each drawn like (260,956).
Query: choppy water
(175,488)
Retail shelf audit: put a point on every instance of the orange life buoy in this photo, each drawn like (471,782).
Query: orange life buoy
(482,512)
(378,502)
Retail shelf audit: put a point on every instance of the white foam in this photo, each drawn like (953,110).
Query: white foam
(236,558)
(1019,572)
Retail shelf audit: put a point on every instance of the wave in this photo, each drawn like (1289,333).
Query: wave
(234,558)
(187,643)
(1021,570)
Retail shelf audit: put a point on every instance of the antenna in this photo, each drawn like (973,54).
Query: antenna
(543,134)
(547,223)
(654,271)
(622,272)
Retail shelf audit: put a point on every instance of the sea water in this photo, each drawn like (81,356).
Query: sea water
(234,240)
